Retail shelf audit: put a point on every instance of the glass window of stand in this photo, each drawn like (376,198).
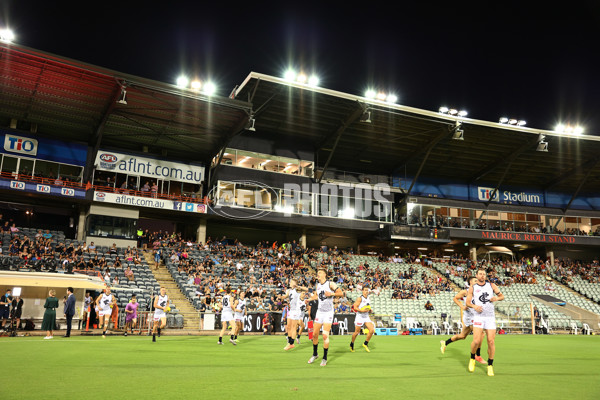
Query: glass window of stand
(265,162)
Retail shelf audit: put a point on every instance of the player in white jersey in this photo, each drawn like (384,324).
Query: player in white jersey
(362,305)
(467,319)
(239,307)
(481,297)
(105,303)
(324,293)
(227,316)
(161,308)
(293,296)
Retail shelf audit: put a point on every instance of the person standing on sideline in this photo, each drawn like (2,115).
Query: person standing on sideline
(5,302)
(49,321)
(69,310)
(87,302)
(17,310)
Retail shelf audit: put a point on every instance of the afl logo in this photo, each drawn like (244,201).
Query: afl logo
(108,161)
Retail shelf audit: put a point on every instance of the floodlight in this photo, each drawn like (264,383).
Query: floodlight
(210,88)
(301,78)
(370,94)
(196,85)
(462,113)
(381,96)
(459,134)
(392,98)
(542,146)
(290,75)
(452,111)
(182,81)
(6,35)
(503,120)
(578,130)
(521,123)
(313,80)
(444,110)
(366,117)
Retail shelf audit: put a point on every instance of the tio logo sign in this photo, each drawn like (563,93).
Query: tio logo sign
(484,194)
(19,144)
(17,185)
(67,192)
(43,188)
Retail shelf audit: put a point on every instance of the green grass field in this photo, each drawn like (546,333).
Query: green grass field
(528,367)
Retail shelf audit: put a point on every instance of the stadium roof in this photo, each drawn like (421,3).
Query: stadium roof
(412,142)
(71,100)
(74,101)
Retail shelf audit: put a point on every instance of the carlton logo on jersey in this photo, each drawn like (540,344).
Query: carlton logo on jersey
(484,298)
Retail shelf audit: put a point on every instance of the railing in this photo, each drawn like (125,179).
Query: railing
(111,189)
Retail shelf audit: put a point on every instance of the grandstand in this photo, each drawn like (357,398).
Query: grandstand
(279,179)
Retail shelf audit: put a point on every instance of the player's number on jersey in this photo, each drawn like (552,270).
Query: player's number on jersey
(226,302)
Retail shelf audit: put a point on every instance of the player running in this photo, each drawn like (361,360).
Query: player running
(239,306)
(481,297)
(105,303)
(362,305)
(303,310)
(227,316)
(293,295)
(161,308)
(467,319)
(325,292)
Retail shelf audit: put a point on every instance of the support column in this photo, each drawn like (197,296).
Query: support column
(550,254)
(81,226)
(303,239)
(201,232)
(473,254)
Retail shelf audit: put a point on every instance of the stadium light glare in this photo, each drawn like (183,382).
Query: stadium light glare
(569,129)
(503,120)
(301,78)
(196,85)
(443,110)
(462,113)
(392,98)
(7,35)
(182,81)
(370,94)
(210,88)
(313,81)
(290,75)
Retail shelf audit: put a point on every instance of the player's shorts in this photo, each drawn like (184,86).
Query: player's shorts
(226,316)
(159,314)
(360,320)
(324,317)
(294,315)
(105,313)
(467,319)
(484,322)
(239,317)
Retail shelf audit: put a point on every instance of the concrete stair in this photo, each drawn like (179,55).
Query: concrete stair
(191,318)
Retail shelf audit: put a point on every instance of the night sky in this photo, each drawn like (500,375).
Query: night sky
(536,63)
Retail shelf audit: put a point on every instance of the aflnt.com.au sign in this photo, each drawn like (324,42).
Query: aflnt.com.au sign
(148,167)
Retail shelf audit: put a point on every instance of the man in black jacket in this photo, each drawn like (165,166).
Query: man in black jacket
(69,310)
